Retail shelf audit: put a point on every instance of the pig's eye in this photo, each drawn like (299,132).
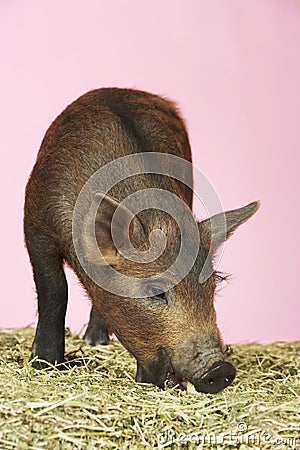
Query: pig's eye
(154,291)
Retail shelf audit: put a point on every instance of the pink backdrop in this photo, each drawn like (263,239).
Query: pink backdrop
(234,69)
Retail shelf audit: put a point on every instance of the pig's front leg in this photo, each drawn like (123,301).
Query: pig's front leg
(51,286)
(96,332)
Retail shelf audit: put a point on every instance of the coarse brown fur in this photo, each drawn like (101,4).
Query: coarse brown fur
(175,333)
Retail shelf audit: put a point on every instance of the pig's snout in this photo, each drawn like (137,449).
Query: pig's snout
(220,375)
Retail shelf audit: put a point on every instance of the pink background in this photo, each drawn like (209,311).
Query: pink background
(233,67)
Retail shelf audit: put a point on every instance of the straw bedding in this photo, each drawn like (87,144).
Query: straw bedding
(96,404)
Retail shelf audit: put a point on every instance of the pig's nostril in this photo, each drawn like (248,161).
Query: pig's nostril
(218,377)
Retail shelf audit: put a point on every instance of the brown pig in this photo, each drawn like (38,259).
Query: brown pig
(135,142)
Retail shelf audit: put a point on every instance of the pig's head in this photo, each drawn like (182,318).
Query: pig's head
(172,333)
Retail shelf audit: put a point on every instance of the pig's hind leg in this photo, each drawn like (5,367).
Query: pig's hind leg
(52,291)
(96,332)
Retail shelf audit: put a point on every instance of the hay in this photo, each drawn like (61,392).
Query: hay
(96,404)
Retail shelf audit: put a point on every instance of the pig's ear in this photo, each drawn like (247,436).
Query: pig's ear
(98,230)
(218,228)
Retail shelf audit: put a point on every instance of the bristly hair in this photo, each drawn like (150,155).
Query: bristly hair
(221,276)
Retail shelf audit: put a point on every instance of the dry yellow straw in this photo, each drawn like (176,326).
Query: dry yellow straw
(96,404)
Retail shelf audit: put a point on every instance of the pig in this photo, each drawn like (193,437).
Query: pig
(172,332)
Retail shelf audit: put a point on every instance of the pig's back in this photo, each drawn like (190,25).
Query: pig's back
(97,128)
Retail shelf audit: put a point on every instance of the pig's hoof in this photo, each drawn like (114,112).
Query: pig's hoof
(96,337)
(37,364)
(43,364)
